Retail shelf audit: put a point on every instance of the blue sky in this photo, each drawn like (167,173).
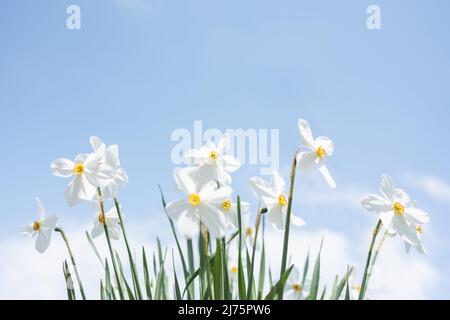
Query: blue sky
(138,70)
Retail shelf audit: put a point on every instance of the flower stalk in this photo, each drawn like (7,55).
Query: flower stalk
(113,259)
(287,224)
(250,280)
(72,259)
(369,257)
(130,256)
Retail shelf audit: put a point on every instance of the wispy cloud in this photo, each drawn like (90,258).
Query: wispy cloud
(435,187)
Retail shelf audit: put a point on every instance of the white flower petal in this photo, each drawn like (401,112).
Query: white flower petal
(305,133)
(216,196)
(41,209)
(213,219)
(229,163)
(43,240)
(387,187)
(96,143)
(177,208)
(78,190)
(112,156)
(189,224)
(62,168)
(278,183)
(407,232)
(184,181)
(97,229)
(375,203)
(275,215)
(386,219)
(307,160)
(49,222)
(261,188)
(196,157)
(326,143)
(416,216)
(326,174)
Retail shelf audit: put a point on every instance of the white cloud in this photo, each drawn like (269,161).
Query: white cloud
(435,187)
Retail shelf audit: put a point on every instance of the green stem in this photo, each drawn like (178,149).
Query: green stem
(250,280)
(108,240)
(130,256)
(287,225)
(369,256)
(72,258)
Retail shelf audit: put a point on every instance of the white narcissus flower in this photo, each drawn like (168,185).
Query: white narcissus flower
(89,172)
(200,204)
(320,148)
(111,158)
(43,228)
(396,211)
(294,289)
(274,198)
(111,218)
(212,163)
(230,210)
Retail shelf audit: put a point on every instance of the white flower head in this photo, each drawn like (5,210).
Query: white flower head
(294,289)
(273,195)
(89,172)
(212,162)
(42,228)
(111,158)
(201,203)
(396,211)
(110,218)
(229,208)
(320,148)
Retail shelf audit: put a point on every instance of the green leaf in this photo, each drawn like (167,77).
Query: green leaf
(305,269)
(148,286)
(241,278)
(279,285)
(342,284)
(159,289)
(217,272)
(94,248)
(131,296)
(316,277)
(177,286)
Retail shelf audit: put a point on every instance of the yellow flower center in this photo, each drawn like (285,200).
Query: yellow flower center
(194,199)
(297,287)
(282,200)
(101,218)
(226,205)
(36,226)
(357,288)
(399,208)
(234,269)
(213,155)
(320,151)
(249,231)
(419,230)
(78,169)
